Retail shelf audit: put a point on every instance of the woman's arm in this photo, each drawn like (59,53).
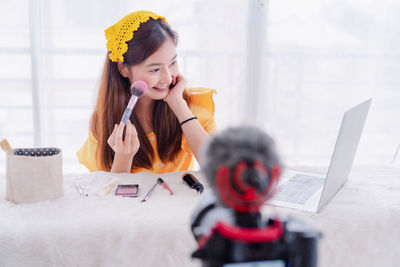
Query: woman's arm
(194,133)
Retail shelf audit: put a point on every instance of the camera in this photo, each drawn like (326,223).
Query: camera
(243,169)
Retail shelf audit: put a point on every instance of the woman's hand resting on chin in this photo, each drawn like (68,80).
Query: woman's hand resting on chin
(175,95)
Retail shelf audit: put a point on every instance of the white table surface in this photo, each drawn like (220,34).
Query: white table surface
(360,226)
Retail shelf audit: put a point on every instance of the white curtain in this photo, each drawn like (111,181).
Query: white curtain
(291,67)
(322,57)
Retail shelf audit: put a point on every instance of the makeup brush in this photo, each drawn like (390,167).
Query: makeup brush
(138,89)
(149,193)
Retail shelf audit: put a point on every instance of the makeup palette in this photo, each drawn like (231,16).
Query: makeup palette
(127,190)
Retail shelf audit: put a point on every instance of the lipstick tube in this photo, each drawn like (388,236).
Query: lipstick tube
(192,182)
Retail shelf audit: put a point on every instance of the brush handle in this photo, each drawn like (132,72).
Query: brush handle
(126,115)
(129,108)
(149,193)
(6,147)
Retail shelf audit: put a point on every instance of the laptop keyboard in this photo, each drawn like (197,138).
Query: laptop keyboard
(298,189)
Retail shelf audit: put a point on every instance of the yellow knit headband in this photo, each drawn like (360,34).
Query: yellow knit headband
(121,32)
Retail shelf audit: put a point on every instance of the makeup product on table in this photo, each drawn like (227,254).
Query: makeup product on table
(149,193)
(164,184)
(127,190)
(192,182)
(80,190)
(138,89)
(160,182)
(108,188)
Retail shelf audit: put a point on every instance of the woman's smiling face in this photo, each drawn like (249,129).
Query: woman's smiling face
(159,71)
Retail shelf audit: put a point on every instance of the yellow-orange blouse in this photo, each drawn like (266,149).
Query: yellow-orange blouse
(202,106)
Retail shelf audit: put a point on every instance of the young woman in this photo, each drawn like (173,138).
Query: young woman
(168,125)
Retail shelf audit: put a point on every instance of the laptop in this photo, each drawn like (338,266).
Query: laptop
(309,192)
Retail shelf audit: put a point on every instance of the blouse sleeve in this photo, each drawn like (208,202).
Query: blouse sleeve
(87,154)
(201,103)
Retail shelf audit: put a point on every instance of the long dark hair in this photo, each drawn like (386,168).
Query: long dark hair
(113,96)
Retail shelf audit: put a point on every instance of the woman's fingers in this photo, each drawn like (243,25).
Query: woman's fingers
(130,144)
(119,133)
(181,80)
(111,139)
(132,139)
(128,135)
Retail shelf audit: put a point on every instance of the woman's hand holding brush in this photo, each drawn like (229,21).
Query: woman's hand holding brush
(126,147)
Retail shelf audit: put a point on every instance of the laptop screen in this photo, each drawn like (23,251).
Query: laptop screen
(345,150)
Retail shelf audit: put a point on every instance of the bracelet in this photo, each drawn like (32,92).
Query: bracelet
(192,118)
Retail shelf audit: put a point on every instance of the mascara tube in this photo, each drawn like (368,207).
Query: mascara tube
(192,182)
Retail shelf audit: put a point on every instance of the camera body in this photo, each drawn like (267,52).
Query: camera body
(288,242)
(243,169)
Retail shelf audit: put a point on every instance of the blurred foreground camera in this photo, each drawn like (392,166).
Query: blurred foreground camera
(243,170)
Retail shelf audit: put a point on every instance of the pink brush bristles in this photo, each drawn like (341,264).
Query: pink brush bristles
(138,89)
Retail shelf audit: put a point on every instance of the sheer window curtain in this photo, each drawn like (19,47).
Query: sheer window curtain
(320,58)
(290,67)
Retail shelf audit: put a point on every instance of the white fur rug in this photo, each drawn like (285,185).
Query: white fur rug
(360,226)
